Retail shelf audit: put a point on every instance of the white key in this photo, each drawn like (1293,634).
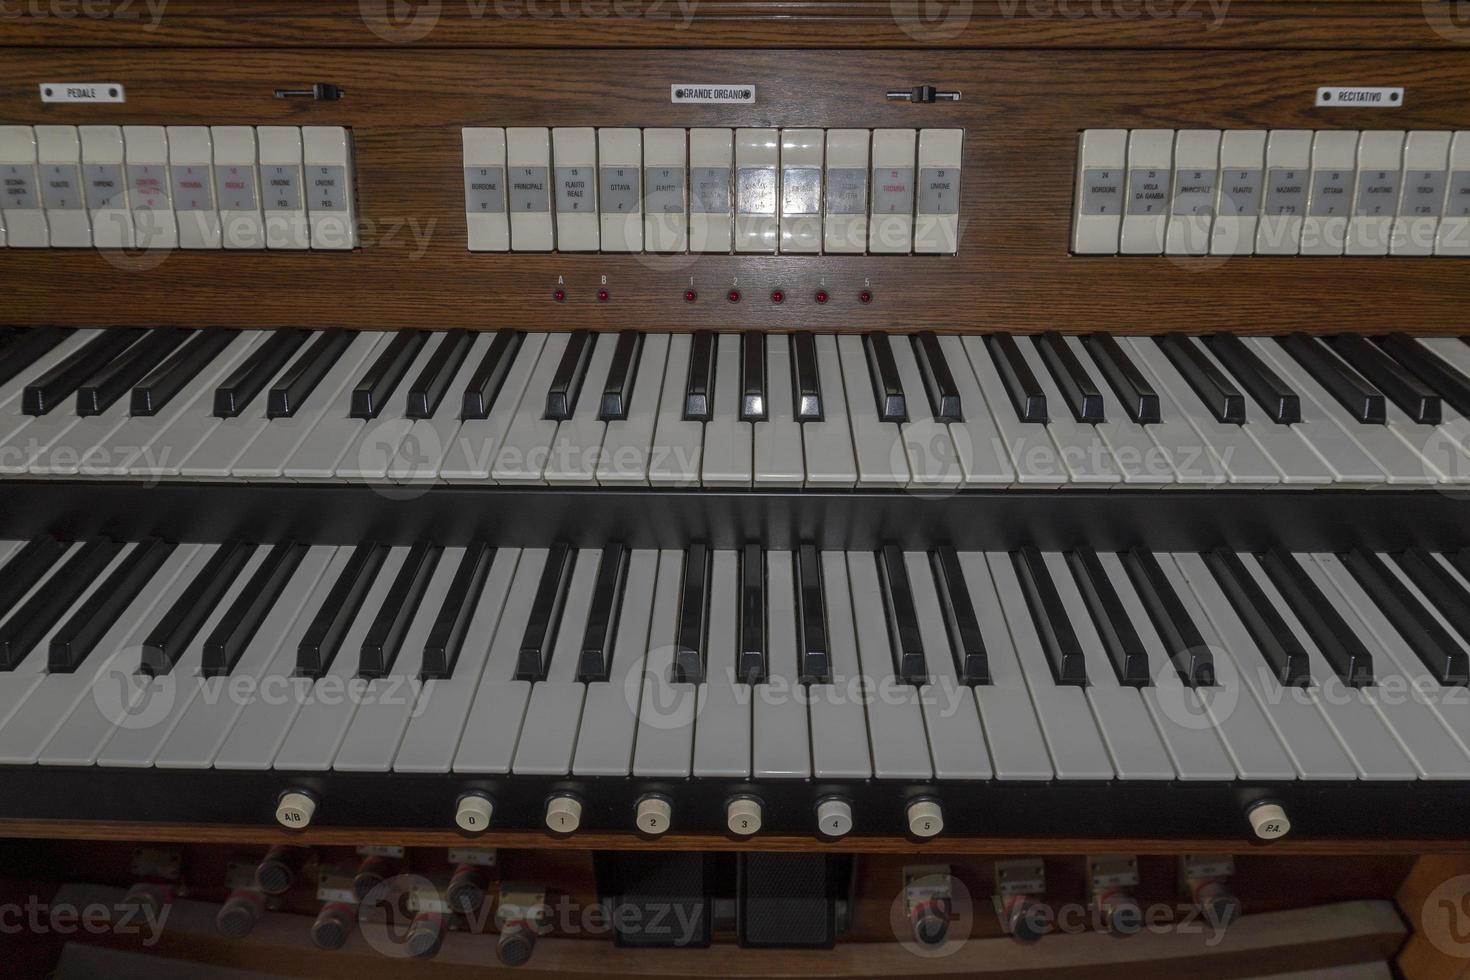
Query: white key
(722,731)
(475,447)
(1445,448)
(1299,463)
(488,742)
(1240,458)
(828,444)
(664,744)
(12,419)
(370,455)
(422,452)
(1183,721)
(1124,722)
(1334,445)
(1400,464)
(31,441)
(780,728)
(222,443)
(390,702)
(137,747)
(984,459)
(1082,448)
(276,447)
(626,444)
(675,456)
(1407,688)
(49,704)
(839,728)
(319,727)
(17,684)
(170,439)
(199,735)
(728,441)
(1293,713)
(895,716)
(432,738)
(549,735)
(1028,447)
(610,713)
(1077,749)
(779,459)
(1141,459)
(951,717)
(881,460)
(933,461)
(576,452)
(527,443)
(278,694)
(80,737)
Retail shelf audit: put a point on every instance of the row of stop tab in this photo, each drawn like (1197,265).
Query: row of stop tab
(802,191)
(1272,192)
(177,187)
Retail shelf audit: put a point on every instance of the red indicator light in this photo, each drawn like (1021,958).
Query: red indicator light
(603,296)
(777,296)
(559,295)
(865,297)
(690,296)
(733,295)
(821,296)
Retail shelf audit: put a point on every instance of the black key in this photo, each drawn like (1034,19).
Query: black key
(807,379)
(1020,383)
(1345,652)
(1443,592)
(1058,639)
(488,378)
(539,640)
(178,627)
(887,387)
(1277,643)
(1460,559)
(699,386)
(602,618)
(566,384)
(617,392)
(160,387)
(323,638)
(41,612)
(753,398)
(56,385)
(1182,640)
(99,392)
(26,566)
(299,380)
(1452,386)
(752,665)
(971,660)
(689,648)
(1139,399)
(1281,405)
(371,395)
(1221,398)
(384,640)
(233,633)
(75,641)
(1362,401)
(944,396)
(446,639)
(1119,635)
(1425,635)
(1414,397)
(250,378)
(428,389)
(1078,390)
(812,649)
(910,664)
(26,347)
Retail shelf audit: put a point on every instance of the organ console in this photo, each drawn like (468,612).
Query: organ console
(729,439)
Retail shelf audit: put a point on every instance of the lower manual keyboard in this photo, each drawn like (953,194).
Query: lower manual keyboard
(982,692)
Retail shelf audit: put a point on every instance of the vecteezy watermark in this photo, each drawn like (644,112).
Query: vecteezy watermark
(150,11)
(37,916)
(1159,918)
(1445,917)
(933,21)
(407,21)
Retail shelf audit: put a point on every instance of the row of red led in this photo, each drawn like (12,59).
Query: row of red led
(734,296)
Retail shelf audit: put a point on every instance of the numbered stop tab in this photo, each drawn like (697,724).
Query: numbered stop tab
(574,151)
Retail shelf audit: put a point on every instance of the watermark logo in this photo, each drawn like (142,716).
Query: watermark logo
(401,21)
(1445,918)
(931,21)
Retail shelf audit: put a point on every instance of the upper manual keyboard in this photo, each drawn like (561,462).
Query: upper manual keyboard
(726,410)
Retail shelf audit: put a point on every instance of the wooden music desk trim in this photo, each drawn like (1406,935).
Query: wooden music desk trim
(243,834)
